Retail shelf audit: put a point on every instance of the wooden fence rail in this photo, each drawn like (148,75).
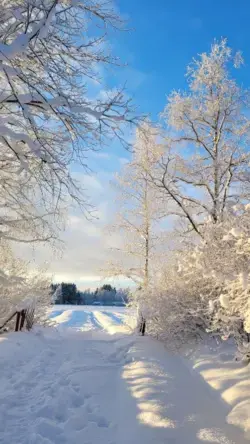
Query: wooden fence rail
(22,316)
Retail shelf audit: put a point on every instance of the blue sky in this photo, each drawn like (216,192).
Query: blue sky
(168,33)
(163,38)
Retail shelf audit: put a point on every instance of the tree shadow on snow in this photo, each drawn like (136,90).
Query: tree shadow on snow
(171,403)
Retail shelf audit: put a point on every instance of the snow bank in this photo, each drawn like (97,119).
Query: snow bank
(230,378)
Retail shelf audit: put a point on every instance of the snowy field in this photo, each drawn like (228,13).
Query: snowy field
(94,318)
(90,380)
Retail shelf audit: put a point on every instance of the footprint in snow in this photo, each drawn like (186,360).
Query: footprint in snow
(76,422)
(77,401)
(48,429)
(89,409)
(101,421)
(46,412)
(76,387)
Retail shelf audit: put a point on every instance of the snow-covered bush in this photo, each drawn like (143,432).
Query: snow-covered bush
(174,306)
(224,256)
(206,288)
(243,353)
(21,285)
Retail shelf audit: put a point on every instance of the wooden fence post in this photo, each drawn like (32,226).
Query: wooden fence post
(23,315)
(17,321)
(143,328)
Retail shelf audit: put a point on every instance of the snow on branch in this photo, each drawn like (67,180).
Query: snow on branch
(47,118)
(208,129)
(21,284)
(20,44)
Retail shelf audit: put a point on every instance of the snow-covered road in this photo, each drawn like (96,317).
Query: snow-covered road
(102,384)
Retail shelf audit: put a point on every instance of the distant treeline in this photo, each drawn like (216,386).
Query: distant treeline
(67,293)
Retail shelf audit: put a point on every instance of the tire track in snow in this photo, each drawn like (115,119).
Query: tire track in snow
(114,317)
(55,313)
(109,324)
(94,321)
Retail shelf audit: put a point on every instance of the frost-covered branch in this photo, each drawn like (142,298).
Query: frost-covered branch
(208,134)
(48,120)
(22,283)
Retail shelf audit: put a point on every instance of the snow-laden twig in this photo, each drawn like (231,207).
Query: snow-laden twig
(47,118)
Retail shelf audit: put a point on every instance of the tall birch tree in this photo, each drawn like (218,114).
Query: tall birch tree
(140,212)
(206,164)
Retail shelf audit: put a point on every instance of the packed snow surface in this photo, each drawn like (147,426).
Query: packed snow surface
(91,380)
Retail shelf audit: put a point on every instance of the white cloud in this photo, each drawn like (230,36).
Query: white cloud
(83,226)
(72,277)
(90,182)
(100,154)
(87,243)
(123,160)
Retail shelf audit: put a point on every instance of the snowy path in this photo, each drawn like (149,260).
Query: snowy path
(97,386)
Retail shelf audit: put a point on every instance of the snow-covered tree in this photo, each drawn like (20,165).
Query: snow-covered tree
(205,173)
(56,294)
(51,52)
(178,311)
(206,288)
(140,212)
(123,295)
(223,257)
(22,284)
(138,219)
(206,164)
